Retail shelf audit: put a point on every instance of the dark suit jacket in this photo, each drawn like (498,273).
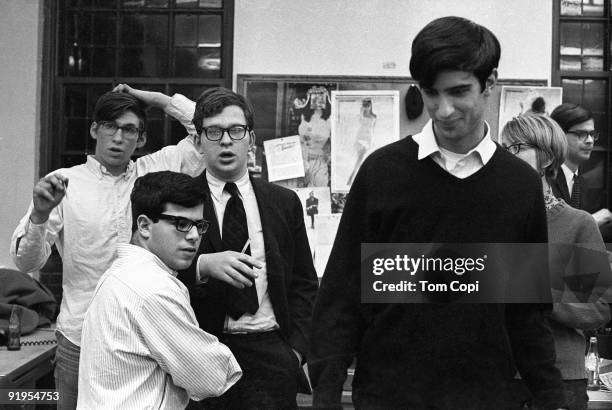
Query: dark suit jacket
(292,279)
(592,197)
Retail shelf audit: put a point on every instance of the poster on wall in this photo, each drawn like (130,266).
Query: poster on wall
(284,158)
(517,100)
(308,110)
(315,201)
(361,122)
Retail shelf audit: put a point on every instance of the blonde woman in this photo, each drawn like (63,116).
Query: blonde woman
(540,141)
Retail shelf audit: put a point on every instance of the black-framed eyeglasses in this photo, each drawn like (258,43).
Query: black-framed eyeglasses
(235,132)
(185,224)
(518,147)
(583,135)
(111,127)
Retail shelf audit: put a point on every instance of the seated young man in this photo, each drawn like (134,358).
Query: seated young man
(141,342)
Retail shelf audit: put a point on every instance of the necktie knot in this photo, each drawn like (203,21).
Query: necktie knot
(232,189)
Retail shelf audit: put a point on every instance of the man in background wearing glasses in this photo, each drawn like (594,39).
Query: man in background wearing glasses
(575,187)
(85,211)
(141,343)
(253,284)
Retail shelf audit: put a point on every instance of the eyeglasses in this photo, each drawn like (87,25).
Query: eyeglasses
(185,224)
(111,127)
(583,135)
(518,147)
(236,132)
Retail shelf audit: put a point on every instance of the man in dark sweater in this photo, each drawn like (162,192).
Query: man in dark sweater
(450,183)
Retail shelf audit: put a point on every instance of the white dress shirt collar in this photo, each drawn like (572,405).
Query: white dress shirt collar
(125,250)
(216,185)
(428,145)
(100,170)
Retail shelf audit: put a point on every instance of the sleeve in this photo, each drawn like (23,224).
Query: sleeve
(184,157)
(31,243)
(337,320)
(530,333)
(589,257)
(196,360)
(304,284)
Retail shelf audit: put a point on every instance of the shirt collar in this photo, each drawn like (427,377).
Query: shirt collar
(568,173)
(125,250)
(100,170)
(216,185)
(428,145)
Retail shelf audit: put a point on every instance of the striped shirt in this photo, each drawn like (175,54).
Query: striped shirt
(92,219)
(142,346)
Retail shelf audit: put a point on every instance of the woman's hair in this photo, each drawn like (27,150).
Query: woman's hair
(543,133)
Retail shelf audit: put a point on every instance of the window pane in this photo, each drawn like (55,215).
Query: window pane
(144,3)
(77,133)
(103,62)
(141,29)
(571,7)
(186,3)
(211,3)
(186,62)
(592,7)
(570,39)
(210,31)
(185,30)
(78,61)
(209,61)
(78,28)
(572,90)
(75,102)
(570,63)
(85,4)
(104,29)
(143,62)
(581,39)
(582,7)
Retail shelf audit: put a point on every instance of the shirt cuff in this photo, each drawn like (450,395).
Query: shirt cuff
(199,279)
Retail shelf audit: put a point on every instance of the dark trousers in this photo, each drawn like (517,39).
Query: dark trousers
(269,373)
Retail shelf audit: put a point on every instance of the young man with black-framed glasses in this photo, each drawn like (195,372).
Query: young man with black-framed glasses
(578,189)
(141,343)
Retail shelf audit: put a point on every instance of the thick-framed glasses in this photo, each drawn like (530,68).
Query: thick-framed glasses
(111,127)
(185,224)
(236,132)
(518,147)
(583,135)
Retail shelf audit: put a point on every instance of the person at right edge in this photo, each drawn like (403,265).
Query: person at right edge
(450,183)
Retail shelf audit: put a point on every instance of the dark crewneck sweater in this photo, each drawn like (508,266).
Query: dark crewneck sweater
(411,355)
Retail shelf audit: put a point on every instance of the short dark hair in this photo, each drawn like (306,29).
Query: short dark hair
(154,190)
(112,105)
(453,43)
(212,101)
(567,115)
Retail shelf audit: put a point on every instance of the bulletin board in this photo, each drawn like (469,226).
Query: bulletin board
(272,97)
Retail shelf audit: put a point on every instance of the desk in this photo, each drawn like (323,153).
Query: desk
(600,400)
(22,368)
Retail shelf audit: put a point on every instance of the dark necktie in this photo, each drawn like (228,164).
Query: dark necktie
(235,235)
(576,188)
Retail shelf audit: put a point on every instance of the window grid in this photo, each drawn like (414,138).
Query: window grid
(585,71)
(134,51)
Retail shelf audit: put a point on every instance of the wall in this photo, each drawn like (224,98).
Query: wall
(317,37)
(20,21)
(356,37)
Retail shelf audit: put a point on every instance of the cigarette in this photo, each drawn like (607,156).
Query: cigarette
(246,245)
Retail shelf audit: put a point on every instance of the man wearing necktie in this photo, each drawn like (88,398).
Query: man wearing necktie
(582,191)
(253,283)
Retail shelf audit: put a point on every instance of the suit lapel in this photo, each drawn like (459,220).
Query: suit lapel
(562,186)
(268,223)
